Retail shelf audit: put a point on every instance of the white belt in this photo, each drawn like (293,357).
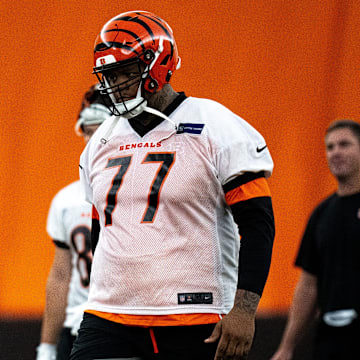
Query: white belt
(340,318)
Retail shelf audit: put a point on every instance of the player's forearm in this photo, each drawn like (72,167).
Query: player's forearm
(302,311)
(54,315)
(246,302)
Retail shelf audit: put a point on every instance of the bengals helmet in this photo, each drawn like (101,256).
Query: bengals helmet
(135,37)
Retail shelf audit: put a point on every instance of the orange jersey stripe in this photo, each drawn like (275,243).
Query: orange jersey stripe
(94,213)
(158,320)
(255,188)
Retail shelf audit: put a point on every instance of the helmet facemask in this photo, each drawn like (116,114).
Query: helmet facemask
(135,72)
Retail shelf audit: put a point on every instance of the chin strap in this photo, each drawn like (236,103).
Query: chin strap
(143,107)
(138,104)
(160,114)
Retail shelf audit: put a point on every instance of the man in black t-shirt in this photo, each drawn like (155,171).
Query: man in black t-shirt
(329,284)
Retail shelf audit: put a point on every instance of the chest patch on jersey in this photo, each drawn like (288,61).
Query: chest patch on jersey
(190,128)
(195,298)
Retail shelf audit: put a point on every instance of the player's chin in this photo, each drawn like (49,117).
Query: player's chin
(338,169)
(125,99)
(341,174)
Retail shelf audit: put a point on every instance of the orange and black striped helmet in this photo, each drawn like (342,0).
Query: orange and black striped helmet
(138,35)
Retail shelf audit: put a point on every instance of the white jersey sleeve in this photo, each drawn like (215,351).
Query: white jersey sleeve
(55,225)
(84,175)
(239,147)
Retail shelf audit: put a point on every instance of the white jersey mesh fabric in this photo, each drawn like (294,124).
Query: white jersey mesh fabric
(185,241)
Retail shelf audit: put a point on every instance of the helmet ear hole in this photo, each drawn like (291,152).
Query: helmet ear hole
(151,84)
(148,56)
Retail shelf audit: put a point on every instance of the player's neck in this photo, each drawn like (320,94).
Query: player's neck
(159,101)
(349,185)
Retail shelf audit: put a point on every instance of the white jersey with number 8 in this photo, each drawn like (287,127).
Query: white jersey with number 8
(69,223)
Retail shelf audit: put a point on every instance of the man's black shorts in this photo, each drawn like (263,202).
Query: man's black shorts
(334,343)
(102,339)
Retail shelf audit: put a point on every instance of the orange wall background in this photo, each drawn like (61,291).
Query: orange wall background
(287,67)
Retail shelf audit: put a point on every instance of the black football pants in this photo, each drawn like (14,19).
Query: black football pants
(102,339)
(65,344)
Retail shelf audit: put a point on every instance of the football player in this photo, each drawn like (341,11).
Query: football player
(175,182)
(68,224)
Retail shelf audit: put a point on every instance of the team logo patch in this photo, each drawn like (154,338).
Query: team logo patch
(190,128)
(108,59)
(195,298)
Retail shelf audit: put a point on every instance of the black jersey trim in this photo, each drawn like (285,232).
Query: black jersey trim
(95,233)
(143,130)
(241,180)
(61,244)
(177,101)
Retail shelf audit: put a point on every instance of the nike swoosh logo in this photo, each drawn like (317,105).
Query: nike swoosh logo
(261,149)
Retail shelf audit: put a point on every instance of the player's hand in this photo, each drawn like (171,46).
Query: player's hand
(282,354)
(46,352)
(235,333)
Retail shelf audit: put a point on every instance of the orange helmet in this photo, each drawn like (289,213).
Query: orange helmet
(137,36)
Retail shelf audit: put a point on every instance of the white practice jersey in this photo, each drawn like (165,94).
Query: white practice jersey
(69,223)
(168,242)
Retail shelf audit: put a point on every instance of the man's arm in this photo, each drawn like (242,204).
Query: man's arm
(302,310)
(56,299)
(249,199)
(235,331)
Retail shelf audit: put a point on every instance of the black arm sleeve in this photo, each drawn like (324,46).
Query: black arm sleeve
(255,220)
